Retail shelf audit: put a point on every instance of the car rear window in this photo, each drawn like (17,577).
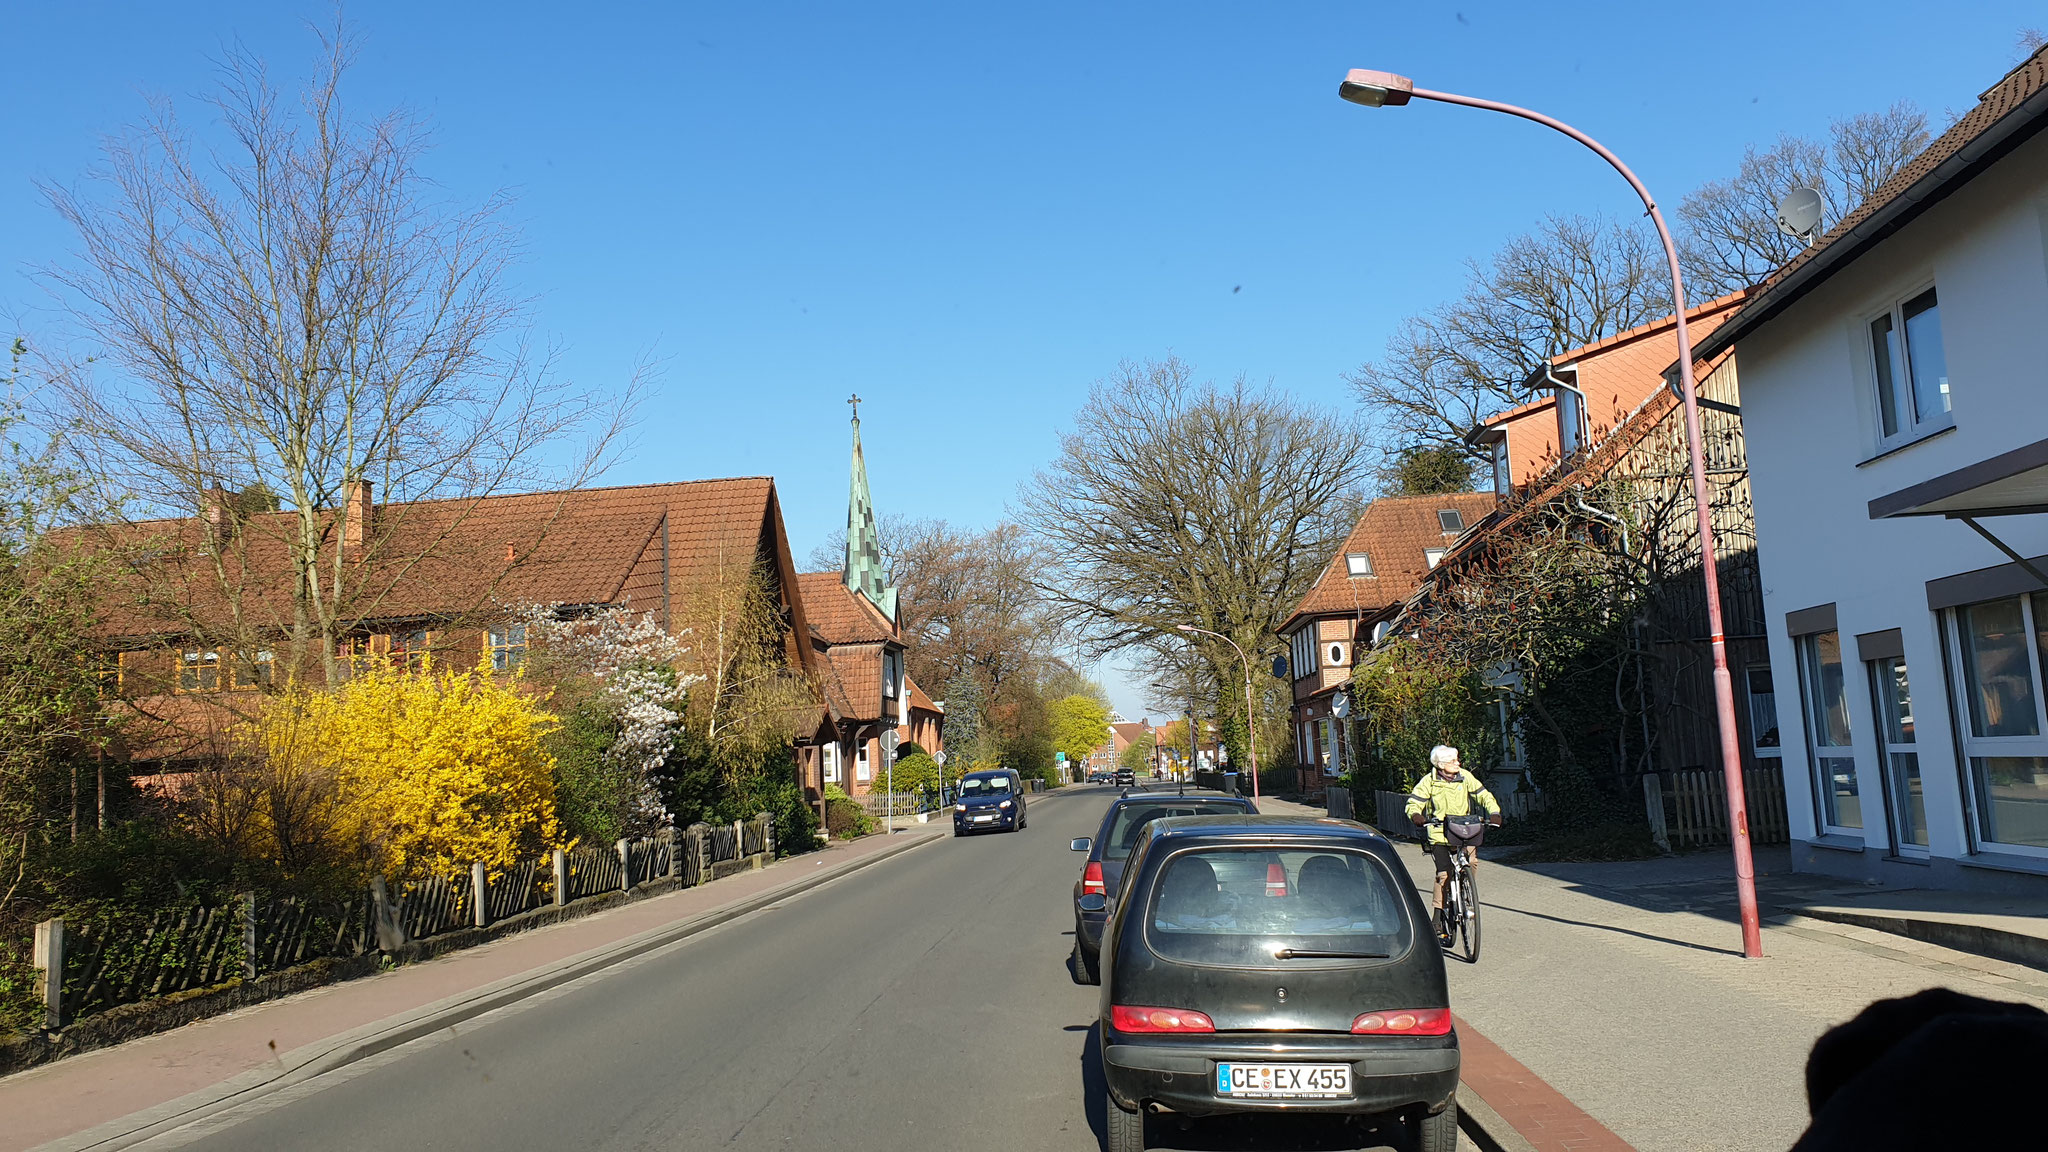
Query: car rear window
(1242,906)
(1129,824)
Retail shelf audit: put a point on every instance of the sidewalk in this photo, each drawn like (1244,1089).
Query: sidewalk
(1613,999)
(82,1092)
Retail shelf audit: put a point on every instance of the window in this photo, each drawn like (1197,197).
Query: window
(411,649)
(1511,754)
(1358,564)
(1571,421)
(890,663)
(1304,652)
(1910,368)
(829,757)
(861,769)
(1327,735)
(1763,713)
(1431,556)
(1503,476)
(253,669)
(508,647)
(199,672)
(2001,647)
(108,671)
(1450,520)
(1235,907)
(1827,731)
(1335,653)
(1907,801)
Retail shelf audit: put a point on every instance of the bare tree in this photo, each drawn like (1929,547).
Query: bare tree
(1176,502)
(1728,234)
(1574,280)
(288,324)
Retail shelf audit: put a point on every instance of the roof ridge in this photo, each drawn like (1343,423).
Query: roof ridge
(1661,324)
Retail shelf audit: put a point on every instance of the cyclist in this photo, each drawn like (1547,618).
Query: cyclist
(1447,790)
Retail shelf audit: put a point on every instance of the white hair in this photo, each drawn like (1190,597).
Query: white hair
(1441,755)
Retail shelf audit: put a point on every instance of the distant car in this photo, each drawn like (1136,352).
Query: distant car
(1111,845)
(1262,964)
(1099,777)
(1125,778)
(989,802)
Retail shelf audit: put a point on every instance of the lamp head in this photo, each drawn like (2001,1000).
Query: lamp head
(1185,627)
(1375,89)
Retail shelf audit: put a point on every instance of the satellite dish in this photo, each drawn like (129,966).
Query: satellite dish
(1340,705)
(1280,667)
(1799,214)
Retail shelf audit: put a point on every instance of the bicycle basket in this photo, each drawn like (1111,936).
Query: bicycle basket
(1465,829)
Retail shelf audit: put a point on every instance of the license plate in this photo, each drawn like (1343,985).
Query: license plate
(983,819)
(1297,1081)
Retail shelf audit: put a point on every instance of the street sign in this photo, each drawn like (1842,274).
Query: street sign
(939,758)
(890,740)
(1059,757)
(1340,705)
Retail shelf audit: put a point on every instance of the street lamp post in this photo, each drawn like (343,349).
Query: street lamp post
(1385,89)
(1251,722)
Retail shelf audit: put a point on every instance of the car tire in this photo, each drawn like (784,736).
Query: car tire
(1126,1129)
(1086,971)
(1438,1133)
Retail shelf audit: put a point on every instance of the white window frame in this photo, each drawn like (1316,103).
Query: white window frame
(1452,512)
(1817,753)
(1357,564)
(1304,655)
(1503,472)
(1911,424)
(1335,653)
(1328,735)
(830,761)
(891,674)
(863,767)
(1977,747)
(1433,556)
(1885,710)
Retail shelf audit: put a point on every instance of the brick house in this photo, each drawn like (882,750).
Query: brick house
(1396,541)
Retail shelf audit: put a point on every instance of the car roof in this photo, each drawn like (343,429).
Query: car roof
(1247,827)
(992,772)
(1170,797)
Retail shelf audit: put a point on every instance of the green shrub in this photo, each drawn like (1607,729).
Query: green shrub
(844,817)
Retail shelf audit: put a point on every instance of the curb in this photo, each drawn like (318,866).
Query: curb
(333,1052)
(1487,1128)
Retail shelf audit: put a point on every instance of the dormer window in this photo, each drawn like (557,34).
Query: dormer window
(1571,421)
(891,666)
(1503,476)
(1358,564)
(1450,520)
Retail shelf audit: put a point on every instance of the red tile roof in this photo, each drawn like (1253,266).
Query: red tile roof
(1394,531)
(2006,115)
(859,671)
(919,700)
(838,614)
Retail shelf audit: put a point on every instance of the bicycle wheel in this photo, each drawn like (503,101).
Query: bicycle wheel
(1468,916)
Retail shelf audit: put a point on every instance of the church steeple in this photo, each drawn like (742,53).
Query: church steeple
(864,572)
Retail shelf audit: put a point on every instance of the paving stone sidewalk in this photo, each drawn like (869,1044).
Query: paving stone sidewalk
(1622,988)
(80,1092)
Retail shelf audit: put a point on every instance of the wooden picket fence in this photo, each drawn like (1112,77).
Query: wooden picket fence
(1695,812)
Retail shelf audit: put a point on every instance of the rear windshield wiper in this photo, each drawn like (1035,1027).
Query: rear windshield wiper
(1323,954)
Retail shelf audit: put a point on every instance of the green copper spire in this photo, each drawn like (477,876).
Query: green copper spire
(864,571)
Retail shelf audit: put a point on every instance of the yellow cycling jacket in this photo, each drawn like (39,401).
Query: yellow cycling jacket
(1440,797)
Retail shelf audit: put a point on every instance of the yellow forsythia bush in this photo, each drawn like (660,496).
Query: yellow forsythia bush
(433,769)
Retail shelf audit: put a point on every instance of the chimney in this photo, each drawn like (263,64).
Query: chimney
(355,513)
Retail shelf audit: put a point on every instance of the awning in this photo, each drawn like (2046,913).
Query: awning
(2008,484)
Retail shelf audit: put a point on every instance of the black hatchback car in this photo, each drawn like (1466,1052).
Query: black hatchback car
(989,802)
(1111,845)
(1261,964)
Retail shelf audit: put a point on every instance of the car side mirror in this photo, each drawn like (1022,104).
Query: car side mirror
(1082,843)
(1094,902)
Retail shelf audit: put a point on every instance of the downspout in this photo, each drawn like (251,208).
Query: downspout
(1617,521)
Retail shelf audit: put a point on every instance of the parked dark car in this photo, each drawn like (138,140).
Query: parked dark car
(1262,964)
(1111,846)
(1099,777)
(990,801)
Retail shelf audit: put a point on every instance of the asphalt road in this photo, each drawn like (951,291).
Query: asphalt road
(921,1003)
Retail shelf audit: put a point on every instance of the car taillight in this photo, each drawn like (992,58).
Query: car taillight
(1159,1020)
(1404,1022)
(1276,879)
(1091,880)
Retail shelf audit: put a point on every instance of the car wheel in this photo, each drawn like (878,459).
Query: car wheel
(1126,1129)
(1438,1133)
(1086,970)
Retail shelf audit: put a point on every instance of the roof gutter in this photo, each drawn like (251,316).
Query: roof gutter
(2010,131)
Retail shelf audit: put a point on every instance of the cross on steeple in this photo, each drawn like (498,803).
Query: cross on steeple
(855,401)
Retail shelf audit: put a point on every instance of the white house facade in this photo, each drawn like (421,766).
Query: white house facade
(1895,404)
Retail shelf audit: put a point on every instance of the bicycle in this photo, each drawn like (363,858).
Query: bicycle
(1460,914)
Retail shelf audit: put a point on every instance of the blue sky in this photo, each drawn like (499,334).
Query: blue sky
(968,212)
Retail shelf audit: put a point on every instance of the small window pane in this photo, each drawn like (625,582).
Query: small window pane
(1358,564)
(1996,670)
(1929,363)
(1570,422)
(1884,346)
(1897,700)
(1450,520)
(1828,709)
(1430,556)
(1502,476)
(2012,797)
(1838,785)
(1763,708)
(1910,797)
